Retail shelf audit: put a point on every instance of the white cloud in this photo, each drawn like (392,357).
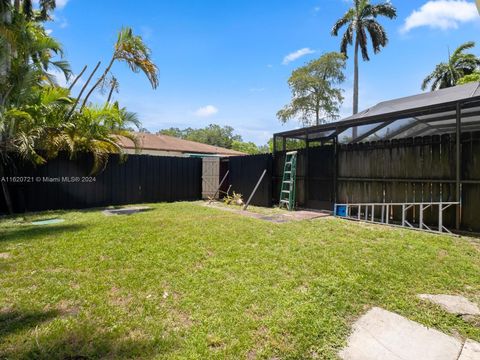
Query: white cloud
(297,55)
(147,32)
(59,77)
(61,3)
(206,111)
(441,14)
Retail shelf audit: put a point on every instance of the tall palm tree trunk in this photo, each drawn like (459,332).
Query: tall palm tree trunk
(112,88)
(82,90)
(99,81)
(355,87)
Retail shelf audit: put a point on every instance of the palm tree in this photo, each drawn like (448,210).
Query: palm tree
(26,7)
(360,20)
(131,49)
(459,65)
(30,57)
(97,130)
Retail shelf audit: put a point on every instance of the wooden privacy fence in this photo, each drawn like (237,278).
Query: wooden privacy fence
(64,184)
(413,170)
(408,170)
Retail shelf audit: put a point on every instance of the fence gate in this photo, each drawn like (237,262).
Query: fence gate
(210,176)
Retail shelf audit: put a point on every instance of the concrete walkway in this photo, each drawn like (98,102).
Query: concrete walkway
(383,335)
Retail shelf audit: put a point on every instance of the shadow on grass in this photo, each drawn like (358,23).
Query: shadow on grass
(28,232)
(78,341)
(14,321)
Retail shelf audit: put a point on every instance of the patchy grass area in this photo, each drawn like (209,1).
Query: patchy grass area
(187,281)
(251,208)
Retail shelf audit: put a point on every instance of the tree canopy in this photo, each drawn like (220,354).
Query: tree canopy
(216,135)
(316,97)
(212,134)
(474,77)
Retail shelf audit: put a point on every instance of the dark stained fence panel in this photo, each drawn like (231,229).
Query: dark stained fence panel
(245,171)
(140,179)
(413,170)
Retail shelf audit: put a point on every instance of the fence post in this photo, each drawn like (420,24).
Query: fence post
(458,165)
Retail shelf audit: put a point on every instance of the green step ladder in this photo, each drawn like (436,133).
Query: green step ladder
(287,191)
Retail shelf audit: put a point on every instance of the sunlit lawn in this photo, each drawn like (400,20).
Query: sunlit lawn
(184,281)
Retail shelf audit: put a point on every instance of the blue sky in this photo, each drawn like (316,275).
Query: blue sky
(227,62)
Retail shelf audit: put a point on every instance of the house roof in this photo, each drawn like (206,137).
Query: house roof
(432,113)
(170,143)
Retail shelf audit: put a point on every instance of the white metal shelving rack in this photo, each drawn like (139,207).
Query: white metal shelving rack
(366,212)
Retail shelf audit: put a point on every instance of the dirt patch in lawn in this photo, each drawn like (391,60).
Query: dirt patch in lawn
(274,215)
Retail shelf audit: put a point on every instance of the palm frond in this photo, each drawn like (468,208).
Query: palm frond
(377,34)
(342,22)
(385,9)
(363,42)
(466,46)
(64,67)
(131,49)
(347,39)
(27,8)
(46,6)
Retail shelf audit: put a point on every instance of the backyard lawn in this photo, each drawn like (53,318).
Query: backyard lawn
(184,281)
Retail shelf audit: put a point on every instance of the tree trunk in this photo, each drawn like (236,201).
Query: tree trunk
(112,88)
(6,192)
(77,78)
(355,87)
(17,5)
(82,90)
(99,81)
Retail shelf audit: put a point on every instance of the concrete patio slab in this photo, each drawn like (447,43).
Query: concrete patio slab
(383,335)
(470,351)
(453,304)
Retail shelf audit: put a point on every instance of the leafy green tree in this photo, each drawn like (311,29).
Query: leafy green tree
(474,77)
(315,95)
(290,144)
(175,132)
(213,134)
(249,147)
(459,65)
(361,20)
(217,135)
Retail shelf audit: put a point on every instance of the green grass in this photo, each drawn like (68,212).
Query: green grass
(184,281)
